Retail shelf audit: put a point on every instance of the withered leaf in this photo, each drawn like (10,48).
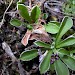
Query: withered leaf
(26,37)
(38,33)
(40,37)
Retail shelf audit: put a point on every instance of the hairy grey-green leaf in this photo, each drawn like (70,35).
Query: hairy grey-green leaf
(29,55)
(66,24)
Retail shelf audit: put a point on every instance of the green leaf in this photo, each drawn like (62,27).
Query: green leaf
(64,52)
(22,1)
(67,42)
(61,68)
(66,24)
(30,27)
(42,44)
(45,15)
(69,61)
(15,22)
(35,13)
(45,63)
(52,68)
(72,52)
(19,2)
(55,22)
(51,28)
(29,55)
(24,12)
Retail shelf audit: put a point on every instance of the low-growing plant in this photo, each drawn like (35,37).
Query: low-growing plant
(68,7)
(34,27)
(31,15)
(55,56)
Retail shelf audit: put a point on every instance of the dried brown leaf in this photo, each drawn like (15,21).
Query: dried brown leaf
(40,37)
(38,33)
(26,37)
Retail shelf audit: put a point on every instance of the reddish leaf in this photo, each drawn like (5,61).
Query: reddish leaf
(26,37)
(38,33)
(40,37)
(38,29)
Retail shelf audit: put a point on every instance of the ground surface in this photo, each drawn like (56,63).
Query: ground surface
(12,36)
